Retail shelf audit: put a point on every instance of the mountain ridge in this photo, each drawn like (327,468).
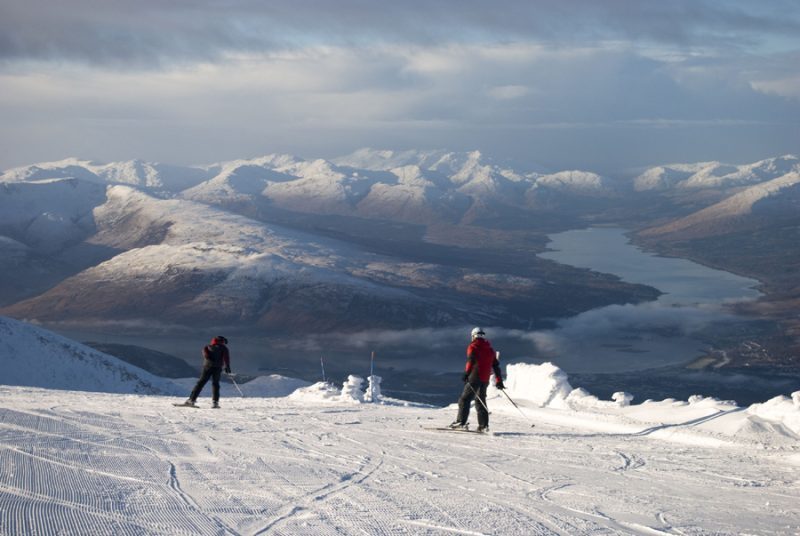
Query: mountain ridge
(376,239)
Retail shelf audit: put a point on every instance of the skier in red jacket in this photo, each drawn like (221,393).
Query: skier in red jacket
(481,362)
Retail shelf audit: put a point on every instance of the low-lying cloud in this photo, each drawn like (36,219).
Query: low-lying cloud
(607,339)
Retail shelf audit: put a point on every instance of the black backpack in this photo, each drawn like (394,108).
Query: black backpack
(213,355)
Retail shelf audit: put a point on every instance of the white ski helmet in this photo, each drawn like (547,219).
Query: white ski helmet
(478,333)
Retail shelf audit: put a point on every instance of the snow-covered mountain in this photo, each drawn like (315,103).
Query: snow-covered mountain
(707,175)
(381,159)
(327,458)
(200,243)
(241,180)
(713,199)
(421,189)
(474,175)
(49,214)
(197,245)
(34,357)
(732,212)
(414,195)
(188,262)
(434,185)
(340,185)
(159,177)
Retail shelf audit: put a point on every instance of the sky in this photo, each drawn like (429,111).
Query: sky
(607,86)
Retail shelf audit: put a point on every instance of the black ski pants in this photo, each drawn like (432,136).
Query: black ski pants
(470,390)
(213,373)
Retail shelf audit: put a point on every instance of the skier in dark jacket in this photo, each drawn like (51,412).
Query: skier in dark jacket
(215,358)
(481,362)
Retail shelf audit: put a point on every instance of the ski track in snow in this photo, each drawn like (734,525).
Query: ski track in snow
(130,465)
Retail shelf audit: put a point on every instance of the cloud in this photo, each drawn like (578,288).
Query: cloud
(155,32)
(607,339)
(777,75)
(636,318)
(430,338)
(579,84)
(786,87)
(508,92)
(328,100)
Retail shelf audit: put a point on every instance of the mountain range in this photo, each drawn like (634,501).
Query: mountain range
(373,240)
(238,242)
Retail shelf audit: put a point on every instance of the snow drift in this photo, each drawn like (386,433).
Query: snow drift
(774,422)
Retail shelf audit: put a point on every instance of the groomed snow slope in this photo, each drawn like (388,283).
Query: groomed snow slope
(320,462)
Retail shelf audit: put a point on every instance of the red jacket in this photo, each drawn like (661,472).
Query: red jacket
(482,361)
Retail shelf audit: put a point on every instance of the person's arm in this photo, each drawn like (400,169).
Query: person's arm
(226,359)
(498,374)
(472,364)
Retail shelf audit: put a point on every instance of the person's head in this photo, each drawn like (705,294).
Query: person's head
(219,339)
(478,333)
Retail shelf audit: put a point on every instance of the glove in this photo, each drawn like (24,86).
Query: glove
(227,370)
(499,384)
(465,377)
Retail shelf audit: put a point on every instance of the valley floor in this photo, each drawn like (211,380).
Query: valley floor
(80,463)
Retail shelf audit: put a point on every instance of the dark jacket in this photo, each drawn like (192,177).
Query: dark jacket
(482,361)
(216,355)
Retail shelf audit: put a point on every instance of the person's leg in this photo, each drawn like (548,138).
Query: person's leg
(216,373)
(201,382)
(481,407)
(463,403)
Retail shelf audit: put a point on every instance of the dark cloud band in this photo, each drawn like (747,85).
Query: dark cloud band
(155,32)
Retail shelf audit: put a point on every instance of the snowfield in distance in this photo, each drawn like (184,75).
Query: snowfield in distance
(323,461)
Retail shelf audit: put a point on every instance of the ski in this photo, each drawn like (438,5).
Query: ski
(462,430)
(185,405)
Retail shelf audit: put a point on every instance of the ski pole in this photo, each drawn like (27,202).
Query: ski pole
(516,406)
(477,397)
(497,355)
(230,376)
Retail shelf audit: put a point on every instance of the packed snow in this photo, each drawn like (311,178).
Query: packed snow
(286,457)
